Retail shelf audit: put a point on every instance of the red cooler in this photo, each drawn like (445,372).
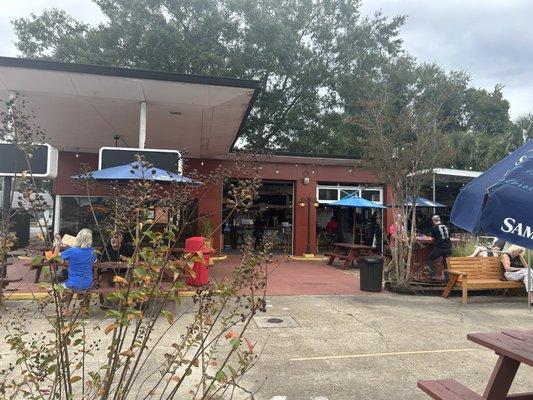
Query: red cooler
(193,245)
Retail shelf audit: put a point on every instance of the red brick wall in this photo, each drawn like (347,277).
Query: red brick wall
(210,197)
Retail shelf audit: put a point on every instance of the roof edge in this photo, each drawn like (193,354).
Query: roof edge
(126,72)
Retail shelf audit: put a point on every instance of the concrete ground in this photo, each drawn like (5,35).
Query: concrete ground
(369,346)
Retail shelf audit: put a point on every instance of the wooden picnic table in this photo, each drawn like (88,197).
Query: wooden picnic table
(348,252)
(513,348)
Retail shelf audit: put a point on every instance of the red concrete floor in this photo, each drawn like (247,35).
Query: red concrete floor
(286,277)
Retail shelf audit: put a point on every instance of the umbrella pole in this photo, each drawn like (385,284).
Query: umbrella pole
(528,288)
(353,226)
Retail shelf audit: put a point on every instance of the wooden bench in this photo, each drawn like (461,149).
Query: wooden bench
(477,273)
(448,389)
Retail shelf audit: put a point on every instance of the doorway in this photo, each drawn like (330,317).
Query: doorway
(269,219)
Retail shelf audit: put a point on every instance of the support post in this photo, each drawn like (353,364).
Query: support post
(142,125)
(434,193)
(6,193)
(57,213)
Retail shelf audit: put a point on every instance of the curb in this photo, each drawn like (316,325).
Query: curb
(303,258)
(20,296)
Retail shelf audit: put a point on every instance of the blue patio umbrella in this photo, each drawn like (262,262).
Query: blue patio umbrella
(499,202)
(356,201)
(134,171)
(422,202)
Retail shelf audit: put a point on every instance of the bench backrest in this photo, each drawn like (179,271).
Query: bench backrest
(477,267)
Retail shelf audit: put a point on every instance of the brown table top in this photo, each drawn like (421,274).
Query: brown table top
(110,264)
(353,246)
(515,344)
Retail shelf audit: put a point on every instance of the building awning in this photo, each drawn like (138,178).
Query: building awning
(83,107)
(450,175)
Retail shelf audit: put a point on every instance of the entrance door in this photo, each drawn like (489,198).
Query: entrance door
(269,219)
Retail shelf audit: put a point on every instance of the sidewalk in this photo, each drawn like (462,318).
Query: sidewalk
(286,277)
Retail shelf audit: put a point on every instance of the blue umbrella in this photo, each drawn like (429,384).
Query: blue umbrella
(422,202)
(134,171)
(499,201)
(356,201)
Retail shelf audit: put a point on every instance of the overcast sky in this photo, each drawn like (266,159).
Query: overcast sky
(491,39)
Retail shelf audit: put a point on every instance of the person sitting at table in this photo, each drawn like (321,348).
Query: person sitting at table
(516,268)
(117,249)
(80,259)
(332,231)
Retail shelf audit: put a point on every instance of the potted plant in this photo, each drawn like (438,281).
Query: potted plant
(206,230)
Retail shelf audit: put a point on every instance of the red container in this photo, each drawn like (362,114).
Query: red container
(197,244)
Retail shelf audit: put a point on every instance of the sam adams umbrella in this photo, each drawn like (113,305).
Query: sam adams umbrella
(500,201)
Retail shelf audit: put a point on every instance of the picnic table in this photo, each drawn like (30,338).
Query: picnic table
(348,252)
(513,348)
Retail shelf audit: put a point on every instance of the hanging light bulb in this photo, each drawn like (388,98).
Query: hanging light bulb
(277,170)
(202,163)
(350,170)
(313,171)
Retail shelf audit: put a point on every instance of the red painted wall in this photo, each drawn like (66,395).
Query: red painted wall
(210,197)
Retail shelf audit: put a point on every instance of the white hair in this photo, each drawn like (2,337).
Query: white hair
(516,249)
(84,238)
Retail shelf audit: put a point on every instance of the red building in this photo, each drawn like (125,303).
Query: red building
(83,108)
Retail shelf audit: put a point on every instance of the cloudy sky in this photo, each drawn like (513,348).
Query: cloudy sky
(491,39)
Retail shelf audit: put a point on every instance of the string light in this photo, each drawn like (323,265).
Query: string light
(277,170)
(313,171)
(202,163)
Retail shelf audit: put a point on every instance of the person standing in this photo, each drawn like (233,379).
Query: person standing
(396,233)
(259,231)
(443,247)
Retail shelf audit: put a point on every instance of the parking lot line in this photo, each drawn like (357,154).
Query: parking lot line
(398,353)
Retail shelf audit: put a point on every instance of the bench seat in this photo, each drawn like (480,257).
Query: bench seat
(448,389)
(338,255)
(477,273)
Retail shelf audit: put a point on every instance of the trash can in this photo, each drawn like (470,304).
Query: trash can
(21,227)
(197,244)
(371,273)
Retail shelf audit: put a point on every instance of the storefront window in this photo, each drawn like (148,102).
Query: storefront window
(328,194)
(372,195)
(350,192)
(76,213)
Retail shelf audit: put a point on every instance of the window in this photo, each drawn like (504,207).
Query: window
(328,195)
(349,192)
(373,195)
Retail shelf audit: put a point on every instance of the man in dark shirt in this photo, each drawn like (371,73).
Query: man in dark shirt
(443,246)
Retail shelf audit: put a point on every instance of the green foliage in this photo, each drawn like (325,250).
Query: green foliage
(302,51)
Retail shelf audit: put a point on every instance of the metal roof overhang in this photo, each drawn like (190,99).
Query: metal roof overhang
(82,107)
(448,175)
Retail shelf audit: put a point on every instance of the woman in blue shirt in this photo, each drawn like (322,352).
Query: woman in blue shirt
(80,258)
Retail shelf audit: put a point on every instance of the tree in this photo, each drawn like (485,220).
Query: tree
(299,49)
(405,114)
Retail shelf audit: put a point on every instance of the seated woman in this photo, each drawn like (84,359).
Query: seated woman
(80,258)
(515,267)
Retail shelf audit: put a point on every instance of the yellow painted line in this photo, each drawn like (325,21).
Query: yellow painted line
(302,258)
(44,295)
(399,353)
